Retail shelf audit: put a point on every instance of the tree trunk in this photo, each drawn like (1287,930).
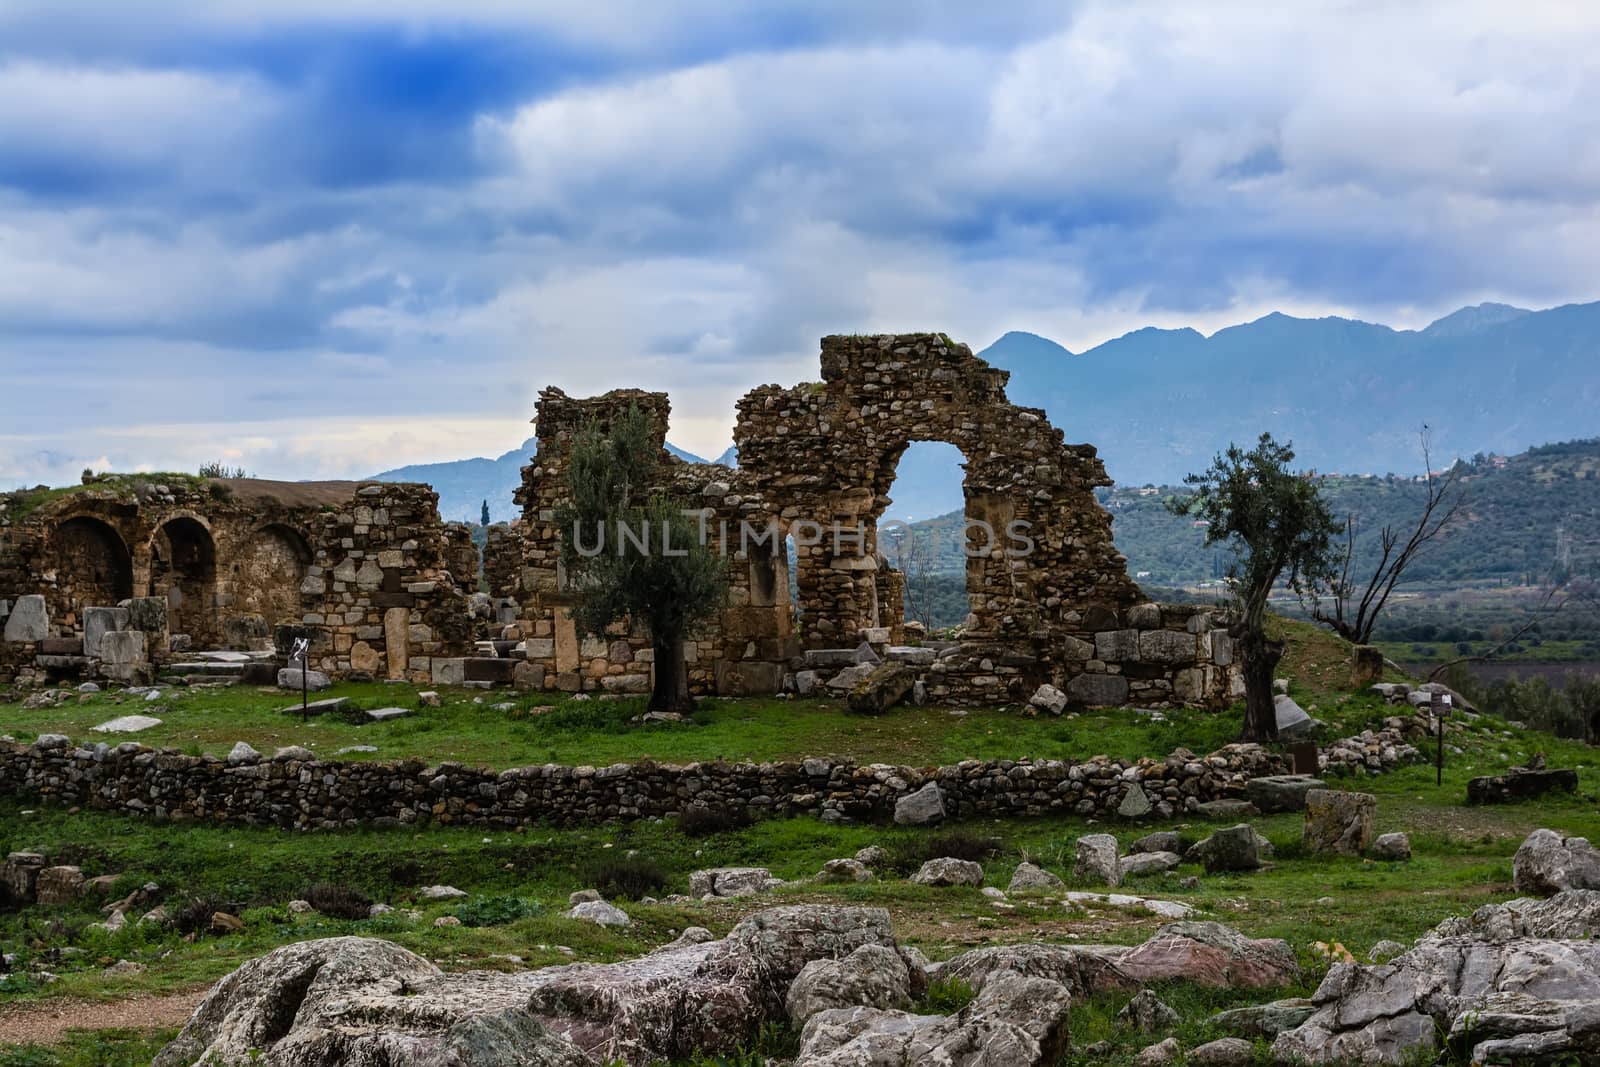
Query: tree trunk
(1260,658)
(671,690)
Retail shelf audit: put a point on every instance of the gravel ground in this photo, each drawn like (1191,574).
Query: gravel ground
(46,1022)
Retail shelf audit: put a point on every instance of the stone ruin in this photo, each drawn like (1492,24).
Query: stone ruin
(123,578)
(385,589)
(823,455)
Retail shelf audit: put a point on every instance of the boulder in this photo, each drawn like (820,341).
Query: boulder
(1096,860)
(1139,864)
(1084,970)
(1015,1020)
(441,892)
(1146,1013)
(1275,793)
(881,690)
(1236,848)
(58,885)
(295,679)
(873,976)
(1048,698)
(1520,784)
(1030,876)
(845,871)
(1264,1020)
(1210,954)
(947,871)
(1135,803)
(1159,1054)
(1226,808)
(1224,1052)
(731,882)
(1293,722)
(1338,821)
(920,808)
(1548,863)
(242,753)
(600,913)
(1160,841)
(1393,847)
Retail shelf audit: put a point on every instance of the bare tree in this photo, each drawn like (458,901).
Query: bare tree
(1354,611)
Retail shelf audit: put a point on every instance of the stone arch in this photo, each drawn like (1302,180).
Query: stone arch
(826,453)
(267,571)
(93,566)
(183,568)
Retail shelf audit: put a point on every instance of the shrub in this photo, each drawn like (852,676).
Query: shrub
(631,877)
(699,821)
(406,873)
(338,901)
(496,911)
(957,844)
(194,916)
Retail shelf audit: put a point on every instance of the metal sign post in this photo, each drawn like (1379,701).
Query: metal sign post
(1440,706)
(302,648)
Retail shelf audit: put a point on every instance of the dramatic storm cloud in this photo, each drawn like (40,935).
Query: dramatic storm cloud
(322,239)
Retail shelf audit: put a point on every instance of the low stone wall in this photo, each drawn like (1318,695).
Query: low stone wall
(313,794)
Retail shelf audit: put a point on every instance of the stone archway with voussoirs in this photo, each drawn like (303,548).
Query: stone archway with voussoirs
(826,453)
(183,568)
(93,567)
(266,573)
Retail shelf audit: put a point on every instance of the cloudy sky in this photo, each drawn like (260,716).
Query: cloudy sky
(321,238)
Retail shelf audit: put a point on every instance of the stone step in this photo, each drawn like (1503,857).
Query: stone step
(205,667)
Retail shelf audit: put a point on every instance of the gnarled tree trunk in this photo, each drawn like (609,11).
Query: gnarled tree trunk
(671,690)
(1260,656)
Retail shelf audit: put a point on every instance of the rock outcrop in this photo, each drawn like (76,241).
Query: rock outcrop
(1515,983)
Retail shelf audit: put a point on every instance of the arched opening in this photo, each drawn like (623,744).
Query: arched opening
(267,574)
(183,568)
(93,567)
(922,536)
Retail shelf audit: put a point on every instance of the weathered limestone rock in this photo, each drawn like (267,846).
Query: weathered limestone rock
(59,885)
(1138,864)
(123,648)
(1392,847)
(1293,722)
(1210,954)
(1084,970)
(1030,876)
(1520,784)
(1515,983)
(1236,848)
(1014,1020)
(949,871)
(921,808)
(1146,1012)
(1337,821)
(242,753)
(127,724)
(873,976)
(1160,841)
(844,871)
(29,620)
(97,622)
(1096,860)
(1098,690)
(881,690)
(1275,793)
(1135,802)
(1265,1020)
(600,913)
(731,882)
(1159,1054)
(1548,863)
(312,681)
(1048,698)
(1224,1052)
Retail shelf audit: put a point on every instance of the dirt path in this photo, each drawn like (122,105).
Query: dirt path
(46,1022)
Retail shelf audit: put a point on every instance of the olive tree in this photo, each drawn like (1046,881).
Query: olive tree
(1281,531)
(632,554)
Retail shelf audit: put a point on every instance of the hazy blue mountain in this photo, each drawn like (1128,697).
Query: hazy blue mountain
(1351,395)
(1158,403)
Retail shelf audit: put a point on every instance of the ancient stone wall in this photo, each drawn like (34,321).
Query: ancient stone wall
(312,794)
(748,648)
(367,566)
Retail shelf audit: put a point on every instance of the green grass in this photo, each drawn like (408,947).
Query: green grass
(105,1048)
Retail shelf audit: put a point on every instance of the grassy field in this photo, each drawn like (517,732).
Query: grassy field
(519,882)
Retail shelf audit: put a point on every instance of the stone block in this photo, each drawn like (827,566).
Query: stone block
(921,808)
(449,670)
(127,724)
(1275,793)
(313,681)
(61,646)
(1098,690)
(1338,821)
(1144,616)
(1167,646)
(881,690)
(29,620)
(19,876)
(541,647)
(124,648)
(1117,646)
(149,615)
(496,671)
(59,885)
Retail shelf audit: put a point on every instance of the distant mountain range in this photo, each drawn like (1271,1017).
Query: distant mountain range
(1352,397)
